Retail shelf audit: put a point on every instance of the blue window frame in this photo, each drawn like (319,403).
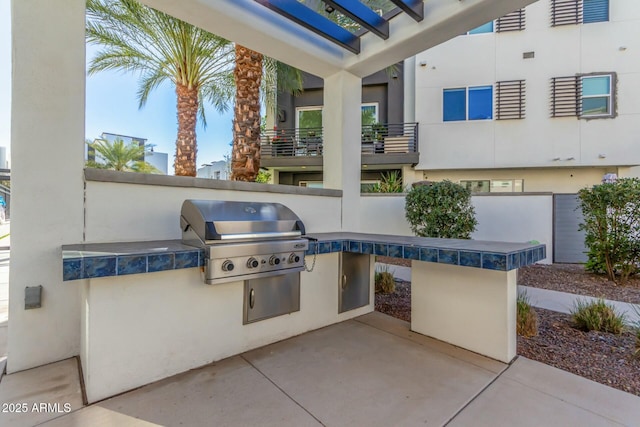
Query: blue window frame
(484,28)
(473,103)
(455,104)
(595,11)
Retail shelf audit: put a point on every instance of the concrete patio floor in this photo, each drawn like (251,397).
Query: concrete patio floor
(370,371)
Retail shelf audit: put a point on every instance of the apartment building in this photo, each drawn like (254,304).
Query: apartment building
(544,99)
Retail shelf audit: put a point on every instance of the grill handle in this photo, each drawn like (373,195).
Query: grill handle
(273,235)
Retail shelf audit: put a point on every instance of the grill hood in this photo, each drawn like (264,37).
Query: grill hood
(216,221)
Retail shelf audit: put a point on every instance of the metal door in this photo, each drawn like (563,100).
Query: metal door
(568,240)
(271,296)
(354,281)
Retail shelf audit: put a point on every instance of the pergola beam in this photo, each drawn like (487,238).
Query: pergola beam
(362,15)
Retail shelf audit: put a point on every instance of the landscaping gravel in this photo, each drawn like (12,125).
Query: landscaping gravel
(601,357)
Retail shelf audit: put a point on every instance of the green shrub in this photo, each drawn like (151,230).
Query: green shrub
(440,209)
(263,176)
(612,227)
(384,281)
(389,183)
(527,318)
(597,316)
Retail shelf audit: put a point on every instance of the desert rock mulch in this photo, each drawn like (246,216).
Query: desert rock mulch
(602,357)
(573,278)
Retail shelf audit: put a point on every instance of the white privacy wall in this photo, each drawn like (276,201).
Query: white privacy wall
(383,214)
(118,212)
(515,218)
(502,218)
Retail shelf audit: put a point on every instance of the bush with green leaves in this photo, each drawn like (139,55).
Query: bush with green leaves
(527,318)
(612,227)
(597,316)
(384,281)
(263,176)
(441,209)
(389,183)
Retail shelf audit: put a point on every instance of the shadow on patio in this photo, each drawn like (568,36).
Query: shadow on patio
(370,371)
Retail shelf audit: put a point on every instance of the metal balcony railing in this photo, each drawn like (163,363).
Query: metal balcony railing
(385,138)
(396,138)
(291,142)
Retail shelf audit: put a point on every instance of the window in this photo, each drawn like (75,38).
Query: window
(308,117)
(481,186)
(568,12)
(369,113)
(216,175)
(595,11)
(484,28)
(586,96)
(494,185)
(311,184)
(472,103)
(596,96)
(506,186)
(311,117)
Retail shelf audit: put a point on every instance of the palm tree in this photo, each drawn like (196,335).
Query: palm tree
(120,157)
(161,48)
(255,75)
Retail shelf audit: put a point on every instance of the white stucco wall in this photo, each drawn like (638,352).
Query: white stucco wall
(47,134)
(468,307)
(383,214)
(170,322)
(118,212)
(483,59)
(515,219)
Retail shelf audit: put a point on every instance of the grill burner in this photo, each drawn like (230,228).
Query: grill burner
(244,240)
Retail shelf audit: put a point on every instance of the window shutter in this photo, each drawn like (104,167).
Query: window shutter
(595,11)
(566,12)
(510,100)
(565,96)
(514,21)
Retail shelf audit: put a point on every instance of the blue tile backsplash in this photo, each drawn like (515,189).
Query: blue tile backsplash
(105,265)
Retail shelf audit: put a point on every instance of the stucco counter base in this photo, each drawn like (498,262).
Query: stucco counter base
(472,308)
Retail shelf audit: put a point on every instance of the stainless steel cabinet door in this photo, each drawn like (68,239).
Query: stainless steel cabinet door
(353,281)
(271,296)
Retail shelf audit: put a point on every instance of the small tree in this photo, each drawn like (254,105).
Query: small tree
(120,156)
(612,227)
(441,209)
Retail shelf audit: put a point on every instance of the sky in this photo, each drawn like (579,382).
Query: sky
(112,106)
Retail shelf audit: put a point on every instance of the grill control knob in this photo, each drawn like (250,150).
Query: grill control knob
(227,266)
(293,258)
(252,263)
(274,260)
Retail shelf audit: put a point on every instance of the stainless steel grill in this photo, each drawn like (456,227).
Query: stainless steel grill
(244,240)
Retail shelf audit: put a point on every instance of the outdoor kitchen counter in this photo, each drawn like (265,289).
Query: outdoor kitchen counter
(91,260)
(501,256)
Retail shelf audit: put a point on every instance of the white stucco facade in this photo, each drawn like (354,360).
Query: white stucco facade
(551,154)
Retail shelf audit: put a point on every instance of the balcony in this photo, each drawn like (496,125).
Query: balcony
(382,144)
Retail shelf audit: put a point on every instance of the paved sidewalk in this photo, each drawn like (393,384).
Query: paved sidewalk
(564,302)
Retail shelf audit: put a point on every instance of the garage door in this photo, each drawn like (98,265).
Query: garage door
(568,240)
